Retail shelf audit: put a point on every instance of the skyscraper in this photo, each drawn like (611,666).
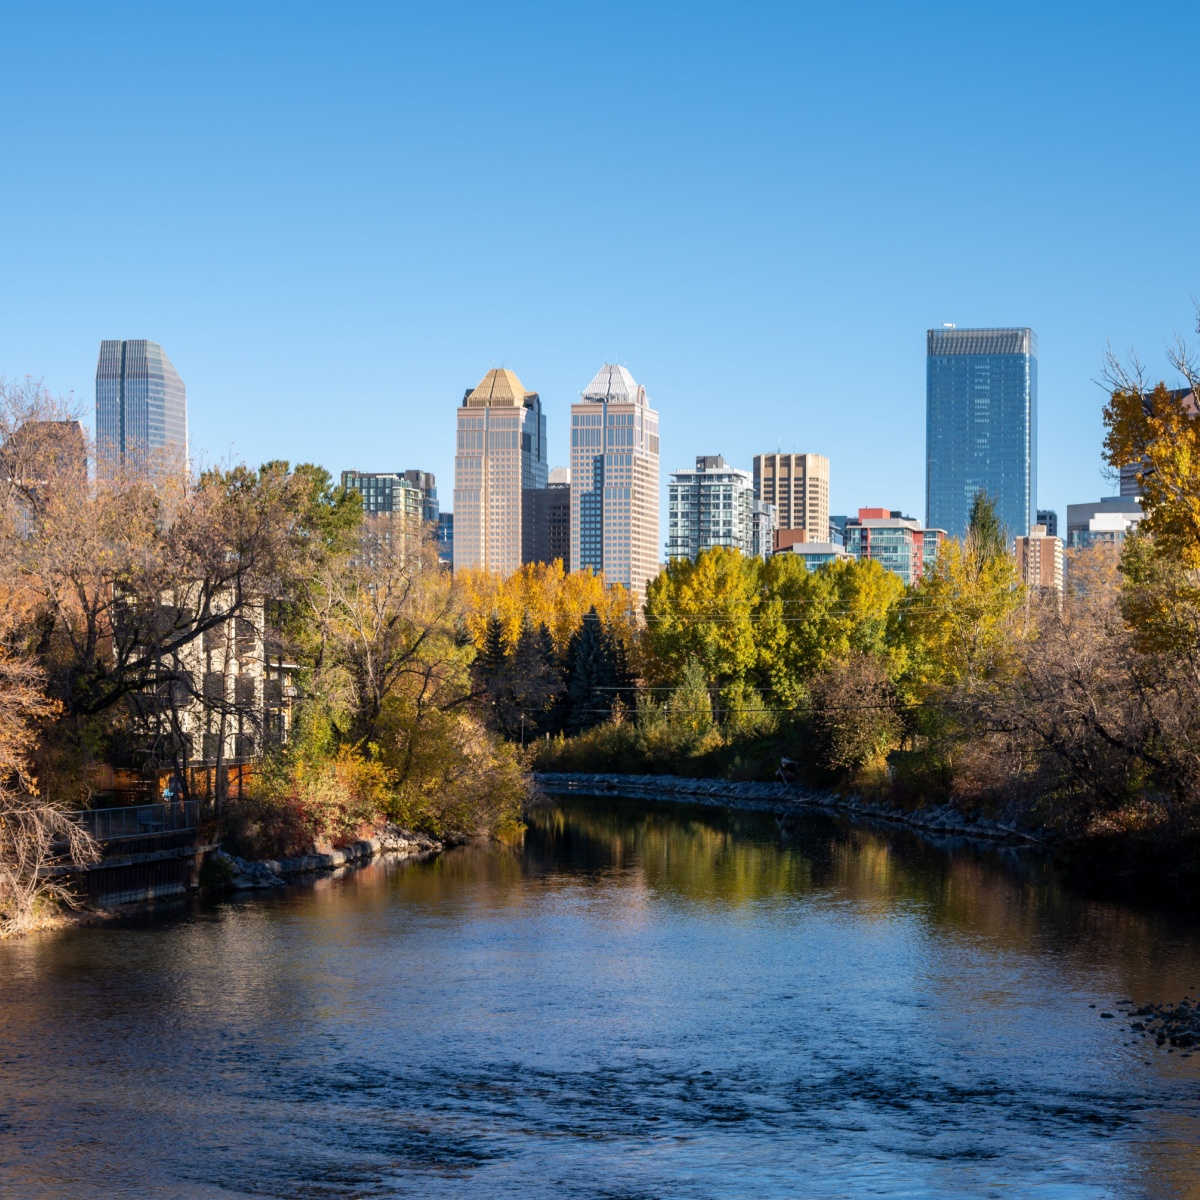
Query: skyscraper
(501,453)
(615,480)
(798,486)
(141,409)
(980,426)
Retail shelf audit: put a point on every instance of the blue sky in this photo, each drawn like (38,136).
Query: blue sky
(335,219)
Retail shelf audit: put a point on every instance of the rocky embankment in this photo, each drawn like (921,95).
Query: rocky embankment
(782,799)
(243,873)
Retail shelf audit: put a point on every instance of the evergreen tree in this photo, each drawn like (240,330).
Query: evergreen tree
(987,539)
(489,666)
(592,682)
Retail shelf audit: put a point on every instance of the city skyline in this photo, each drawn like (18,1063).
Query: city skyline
(302,251)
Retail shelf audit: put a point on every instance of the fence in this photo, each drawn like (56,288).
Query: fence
(144,820)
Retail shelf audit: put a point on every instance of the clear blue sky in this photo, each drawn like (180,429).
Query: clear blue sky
(336,218)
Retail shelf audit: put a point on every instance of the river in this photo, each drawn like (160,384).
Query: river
(632,1004)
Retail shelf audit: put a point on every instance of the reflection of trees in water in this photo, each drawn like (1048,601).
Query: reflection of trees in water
(1013,904)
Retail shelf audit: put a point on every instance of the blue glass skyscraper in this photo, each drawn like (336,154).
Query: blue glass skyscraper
(980,426)
(141,409)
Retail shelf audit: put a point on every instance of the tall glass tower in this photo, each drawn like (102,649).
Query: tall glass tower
(141,409)
(501,454)
(980,426)
(615,480)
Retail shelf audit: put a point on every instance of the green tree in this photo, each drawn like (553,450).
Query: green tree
(986,535)
(592,681)
(704,611)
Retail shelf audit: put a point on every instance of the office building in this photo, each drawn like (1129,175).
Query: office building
(712,505)
(798,487)
(1100,522)
(615,480)
(980,426)
(501,454)
(1040,560)
(896,542)
(141,410)
(445,538)
(1048,519)
(548,523)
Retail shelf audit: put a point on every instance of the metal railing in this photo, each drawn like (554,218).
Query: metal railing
(143,820)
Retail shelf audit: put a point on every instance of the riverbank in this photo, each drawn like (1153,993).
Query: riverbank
(227,872)
(784,798)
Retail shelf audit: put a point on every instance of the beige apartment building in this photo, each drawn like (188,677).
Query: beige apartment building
(1040,560)
(500,454)
(615,481)
(797,485)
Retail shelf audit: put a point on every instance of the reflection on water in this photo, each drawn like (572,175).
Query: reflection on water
(631,1004)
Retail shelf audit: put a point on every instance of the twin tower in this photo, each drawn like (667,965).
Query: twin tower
(500,466)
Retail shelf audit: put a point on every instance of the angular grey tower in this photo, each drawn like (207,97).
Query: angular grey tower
(981,426)
(141,409)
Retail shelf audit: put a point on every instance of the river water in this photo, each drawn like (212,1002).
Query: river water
(676,1003)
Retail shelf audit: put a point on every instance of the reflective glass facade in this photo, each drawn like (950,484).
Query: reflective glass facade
(981,426)
(141,409)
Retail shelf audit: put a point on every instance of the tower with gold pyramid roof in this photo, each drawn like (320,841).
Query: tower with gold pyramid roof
(500,455)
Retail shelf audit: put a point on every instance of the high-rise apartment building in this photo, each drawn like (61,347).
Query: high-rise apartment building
(615,480)
(893,540)
(501,454)
(980,426)
(426,483)
(1040,560)
(713,505)
(797,485)
(387,493)
(393,504)
(141,410)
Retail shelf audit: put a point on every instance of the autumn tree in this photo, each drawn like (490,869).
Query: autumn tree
(1156,429)
(704,611)
(37,833)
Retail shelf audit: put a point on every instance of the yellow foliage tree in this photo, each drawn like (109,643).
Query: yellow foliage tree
(549,595)
(1157,430)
